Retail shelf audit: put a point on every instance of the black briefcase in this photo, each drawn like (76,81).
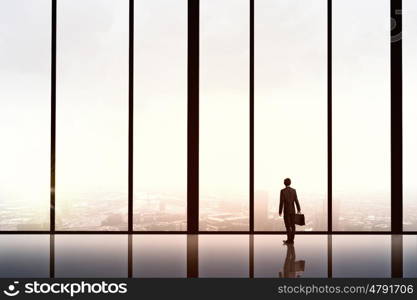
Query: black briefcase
(299,219)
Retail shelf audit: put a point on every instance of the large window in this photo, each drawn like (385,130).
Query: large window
(410,113)
(290,109)
(88,130)
(160,131)
(224,115)
(92,115)
(361,115)
(25,56)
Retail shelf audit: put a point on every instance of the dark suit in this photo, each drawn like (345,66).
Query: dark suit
(287,200)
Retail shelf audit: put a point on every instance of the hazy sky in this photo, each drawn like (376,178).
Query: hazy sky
(361,100)
(25,104)
(92,103)
(160,98)
(361,108)
(224,100)
(291,97)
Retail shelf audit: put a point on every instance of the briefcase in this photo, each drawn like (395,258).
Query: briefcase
(299,219)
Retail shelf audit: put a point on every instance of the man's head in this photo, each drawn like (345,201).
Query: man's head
(287,182)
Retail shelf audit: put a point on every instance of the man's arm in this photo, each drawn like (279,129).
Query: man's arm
(281,202)
(296,202)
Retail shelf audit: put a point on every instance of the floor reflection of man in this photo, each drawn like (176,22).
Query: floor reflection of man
(292,268)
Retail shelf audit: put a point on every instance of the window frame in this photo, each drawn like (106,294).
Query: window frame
(193,128)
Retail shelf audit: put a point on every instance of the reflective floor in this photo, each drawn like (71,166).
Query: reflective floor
(208,255)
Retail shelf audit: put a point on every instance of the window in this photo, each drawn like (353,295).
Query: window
(160,131)
(290,109)
(92,115)
(224,115)
(361,115)
(291,114)
(409,113)
(25,60)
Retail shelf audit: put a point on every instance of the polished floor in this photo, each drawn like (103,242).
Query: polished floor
(220,255)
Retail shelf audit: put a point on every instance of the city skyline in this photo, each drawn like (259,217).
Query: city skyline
(217,217)
(290,109)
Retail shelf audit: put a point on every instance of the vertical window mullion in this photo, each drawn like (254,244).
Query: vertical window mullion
(53,114)
(251,117)
(396,120)
(131,116)
(329,119)
(193,116)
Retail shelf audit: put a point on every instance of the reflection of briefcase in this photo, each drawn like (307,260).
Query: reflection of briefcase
(299,266)
(299,219)
(295,270)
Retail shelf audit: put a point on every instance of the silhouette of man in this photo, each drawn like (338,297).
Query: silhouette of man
(287,199)
(289,264)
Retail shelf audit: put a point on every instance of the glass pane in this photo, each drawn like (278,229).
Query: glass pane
(291,109)
(92,115)
(25,106)
(160,161)
(361,115)
(410,112)
(224,115)
(362,256)
(91,256)
(306,258)
(160,256)
(223,255)
(24,256)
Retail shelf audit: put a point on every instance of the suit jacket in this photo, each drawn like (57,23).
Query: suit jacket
(286,201)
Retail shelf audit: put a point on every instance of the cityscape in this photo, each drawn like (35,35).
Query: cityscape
(165,212)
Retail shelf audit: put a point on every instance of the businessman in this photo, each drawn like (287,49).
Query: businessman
(287,200)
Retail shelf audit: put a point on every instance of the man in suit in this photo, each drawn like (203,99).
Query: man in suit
(287,200)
